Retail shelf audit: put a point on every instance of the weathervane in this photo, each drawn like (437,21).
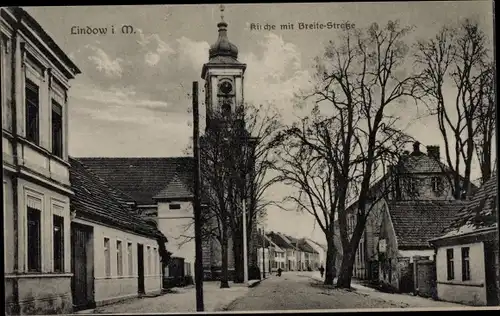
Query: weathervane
(222,12)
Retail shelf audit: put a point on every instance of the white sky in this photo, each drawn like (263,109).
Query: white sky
(132,96)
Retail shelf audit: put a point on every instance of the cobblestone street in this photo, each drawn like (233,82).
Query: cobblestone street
(180,300)
(300,291)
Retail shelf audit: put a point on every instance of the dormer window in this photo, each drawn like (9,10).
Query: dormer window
(437,186)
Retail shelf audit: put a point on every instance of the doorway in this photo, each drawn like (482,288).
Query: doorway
(82,266)
(140,268)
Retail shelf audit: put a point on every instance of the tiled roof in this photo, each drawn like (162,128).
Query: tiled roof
(143,178)
(322,246)
(415,222)
(96,199)
(480,212)
(260,239)
(176,188)
(279,241)
(305,247)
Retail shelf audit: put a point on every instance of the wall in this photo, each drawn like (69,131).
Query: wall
(114,287)
(178,227)
(390,266)
(266,259)
(278,261)
(46,291)
(471,292)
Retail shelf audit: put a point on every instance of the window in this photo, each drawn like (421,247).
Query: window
(34,236)
(107,257)
(130,259)
(174,206)
(450,269)
(149,260)
(57,130)
(58,240)
(411,186)
(32,112)
(119,258)
(465,264)
(436,185)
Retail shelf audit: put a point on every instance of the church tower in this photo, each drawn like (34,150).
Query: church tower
(223,75)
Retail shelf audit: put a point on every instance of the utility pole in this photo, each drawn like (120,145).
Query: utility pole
(197,203)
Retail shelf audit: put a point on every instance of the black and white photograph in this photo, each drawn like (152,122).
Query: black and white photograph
(264,157)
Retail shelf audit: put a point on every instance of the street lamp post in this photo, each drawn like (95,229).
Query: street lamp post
(245,250)
(263,254)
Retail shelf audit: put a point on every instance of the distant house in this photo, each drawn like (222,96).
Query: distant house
(265,252)
(311,256)
(467,259)
(321,249)
(278,254)
(285,244)
(418,176)
(115,253)
(159,189)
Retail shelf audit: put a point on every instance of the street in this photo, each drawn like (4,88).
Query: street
(302,291)
(291,291)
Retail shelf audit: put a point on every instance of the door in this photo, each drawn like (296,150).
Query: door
(82,266)
(490,264)
(140,268)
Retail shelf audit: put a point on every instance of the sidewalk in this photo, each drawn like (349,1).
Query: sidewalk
(403,300)
(180,300)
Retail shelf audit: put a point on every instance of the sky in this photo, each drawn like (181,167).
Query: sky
(132,98)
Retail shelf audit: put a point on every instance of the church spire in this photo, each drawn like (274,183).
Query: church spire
(223,47)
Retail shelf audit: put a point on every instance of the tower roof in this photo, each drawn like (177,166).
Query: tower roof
(223,47)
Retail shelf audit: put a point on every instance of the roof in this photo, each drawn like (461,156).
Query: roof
(261,240)
(305,247)
(322,246)
(480,211)
(96,199)
(20,13)
(143,179)
(415,222)
(279,240)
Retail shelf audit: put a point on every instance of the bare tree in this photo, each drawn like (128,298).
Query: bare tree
(486,124)
(359,78)
(236,156)
(254,158)
(455,59)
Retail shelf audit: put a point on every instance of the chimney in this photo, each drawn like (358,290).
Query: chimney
(416,148)
(433,152)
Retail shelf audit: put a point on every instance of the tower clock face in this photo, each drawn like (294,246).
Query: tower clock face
(226,87)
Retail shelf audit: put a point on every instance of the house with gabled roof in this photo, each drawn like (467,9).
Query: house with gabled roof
(310,257)
(115,254)
(405,187)
(158,188)
(290,250)
(467,253)
(321,249)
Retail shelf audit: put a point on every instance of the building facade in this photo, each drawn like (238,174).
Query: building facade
(467,260)
(115,254)
(35,75)
(158,189)
(418,176)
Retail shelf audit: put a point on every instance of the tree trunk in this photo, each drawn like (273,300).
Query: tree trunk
(224,281)
(330,262)
(345,273)
(238,260)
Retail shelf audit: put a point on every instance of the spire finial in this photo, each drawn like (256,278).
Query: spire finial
(222,12)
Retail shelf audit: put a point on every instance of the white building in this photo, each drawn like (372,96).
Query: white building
(115,253)
(35,75)
(321,249)
(157,188)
